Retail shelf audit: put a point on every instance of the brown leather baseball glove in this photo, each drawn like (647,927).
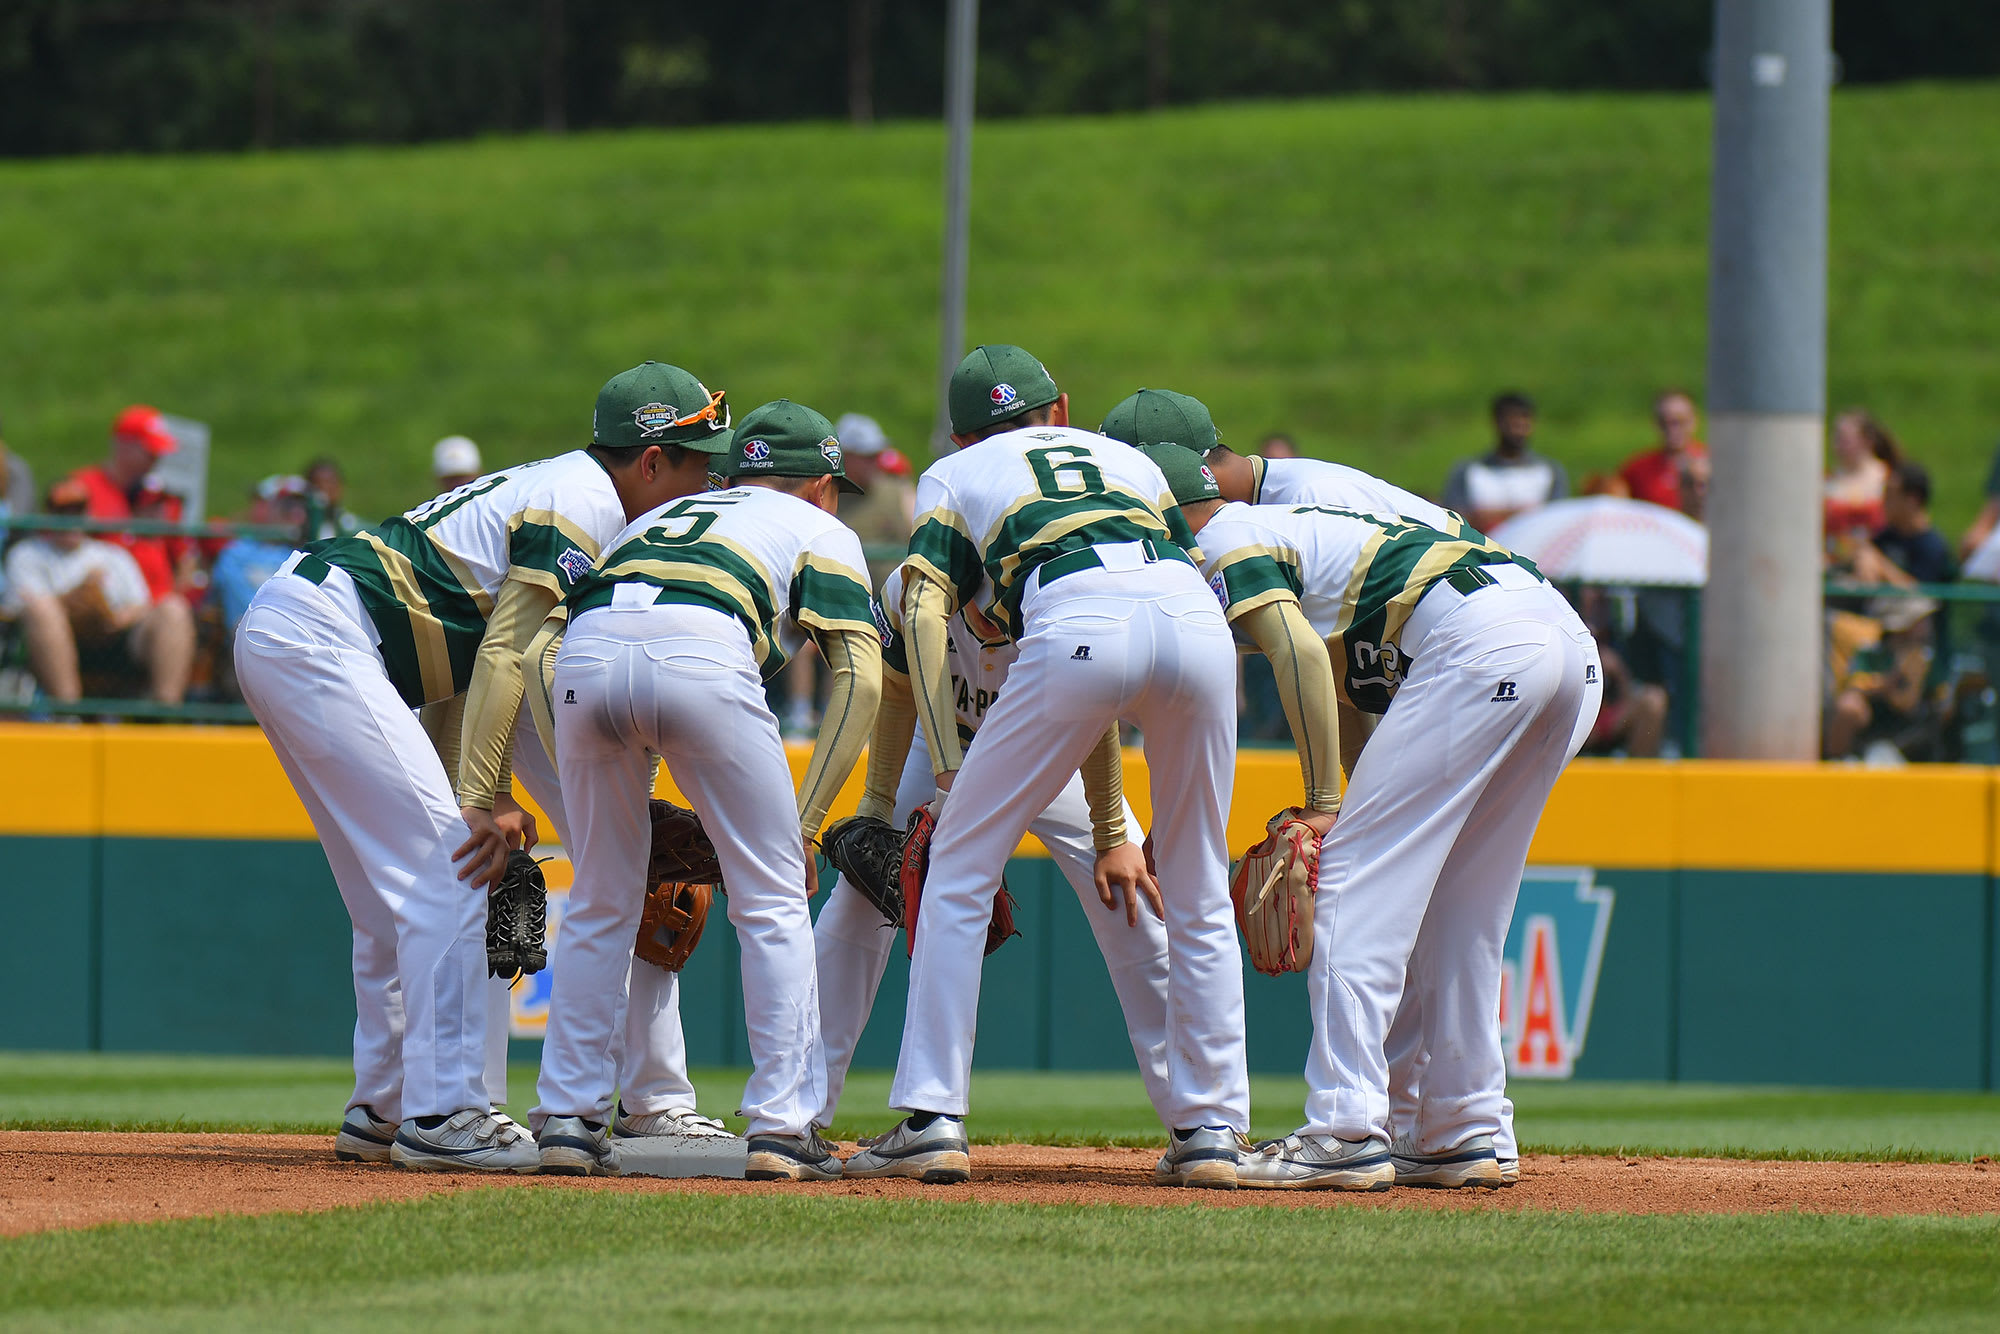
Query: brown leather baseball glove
(672,923)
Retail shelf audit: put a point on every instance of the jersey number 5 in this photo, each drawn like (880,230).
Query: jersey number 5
(1050,464)
(699,517)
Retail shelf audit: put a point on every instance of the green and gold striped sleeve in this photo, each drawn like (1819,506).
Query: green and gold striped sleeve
(1253,576)
(943,549)
(546,549)
(826,595)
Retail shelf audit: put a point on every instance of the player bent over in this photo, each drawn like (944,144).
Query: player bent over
(1486,683)
(335,652)
(667,647)
(851,939)
(1071,545)
(1155,416)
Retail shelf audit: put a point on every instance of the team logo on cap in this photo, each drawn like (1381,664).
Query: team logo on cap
(1209,477)
(1003,396)
(757,452)
(655,419)
(831,448)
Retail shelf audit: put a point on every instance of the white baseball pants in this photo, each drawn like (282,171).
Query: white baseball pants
(307,662)
(1145,643)
(651,1055)
(678,681)
(1418,877)
(853,942)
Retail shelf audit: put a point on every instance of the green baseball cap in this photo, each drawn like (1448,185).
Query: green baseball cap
(787,439)
(657,404)
(996,382)
(1162,417)
(1187,476)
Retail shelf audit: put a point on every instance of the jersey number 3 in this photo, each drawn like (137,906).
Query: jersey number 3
(1050,464)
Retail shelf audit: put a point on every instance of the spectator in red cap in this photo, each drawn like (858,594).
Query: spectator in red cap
(122,487)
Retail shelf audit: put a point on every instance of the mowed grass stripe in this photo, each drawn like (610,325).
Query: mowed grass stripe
(104,1091)
(576,1261)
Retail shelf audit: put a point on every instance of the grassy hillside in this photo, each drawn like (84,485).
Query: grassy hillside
(1363,273)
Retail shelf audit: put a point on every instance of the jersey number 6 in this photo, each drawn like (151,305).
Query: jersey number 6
(1051,463)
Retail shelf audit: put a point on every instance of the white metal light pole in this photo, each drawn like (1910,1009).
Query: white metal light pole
(1761,612)
(961,47)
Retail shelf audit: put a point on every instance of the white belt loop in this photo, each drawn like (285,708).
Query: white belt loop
(633,596)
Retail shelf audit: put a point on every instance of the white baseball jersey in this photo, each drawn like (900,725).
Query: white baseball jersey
(992,512)
(782,566)
(428,580)
(1317,482)
(1357,578)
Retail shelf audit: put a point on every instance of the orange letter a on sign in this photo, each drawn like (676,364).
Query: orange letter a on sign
(1541,1049)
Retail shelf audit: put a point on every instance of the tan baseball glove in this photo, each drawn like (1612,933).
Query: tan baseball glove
(671,924)
(1272,886)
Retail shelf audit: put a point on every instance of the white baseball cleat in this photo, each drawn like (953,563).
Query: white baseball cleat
(937,1155)
(673,1121)
(1510,1171)
(1203,1157)
(1472,1163)
(364,1137)
(571,1146)
(467,1141)
(1317,1162)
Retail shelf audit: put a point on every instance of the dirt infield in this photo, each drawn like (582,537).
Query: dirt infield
(66,1180)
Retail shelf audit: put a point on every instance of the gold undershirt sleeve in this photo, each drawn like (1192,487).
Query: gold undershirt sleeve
(538,669)
(1304,671)
(1104,788)
(493,700)
(442,722)
(927,609)
(855,658)
(889,745)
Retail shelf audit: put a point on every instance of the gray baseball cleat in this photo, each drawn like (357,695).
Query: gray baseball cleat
(804,1157)
(937,1155)
(467,1141)
(1204,1157)
(673,1121)
(1510,1171)
(1472,1163)
(1317,1162)
(571,1146)
(364,1137)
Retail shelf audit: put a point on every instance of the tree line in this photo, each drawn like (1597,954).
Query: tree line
(95,76)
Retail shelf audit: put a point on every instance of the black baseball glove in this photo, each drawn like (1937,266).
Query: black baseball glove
(869,853)
(517,919)
(682,851)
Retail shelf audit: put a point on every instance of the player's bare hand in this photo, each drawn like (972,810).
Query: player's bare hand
(1321,821)
(1152,868)
(812,870)
(515,822)
(1121,873)
(484,854)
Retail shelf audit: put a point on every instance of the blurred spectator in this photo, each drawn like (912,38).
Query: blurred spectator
(123,487)
(243,566)
(454,462)
(1907,549)
(886,514)
(1632,719)
(1494,487)
(325,487)
(84,605)
(1661,474)
(17,483)
(1988,519)
(1278,446)
(1863,454)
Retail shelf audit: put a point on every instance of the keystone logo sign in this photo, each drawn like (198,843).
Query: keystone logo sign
(1548,970)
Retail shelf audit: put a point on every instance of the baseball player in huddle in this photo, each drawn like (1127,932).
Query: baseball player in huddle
(665,649)
(333,654)
(1169,417)
(1486,683)
(851,939)
(1071,545)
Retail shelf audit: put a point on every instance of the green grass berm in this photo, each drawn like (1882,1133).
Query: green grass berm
(1365,273)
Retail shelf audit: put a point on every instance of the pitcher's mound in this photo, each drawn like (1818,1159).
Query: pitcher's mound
(54,1179)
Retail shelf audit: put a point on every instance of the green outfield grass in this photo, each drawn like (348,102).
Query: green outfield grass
(1365,273)
(68,1091)
(560,1260)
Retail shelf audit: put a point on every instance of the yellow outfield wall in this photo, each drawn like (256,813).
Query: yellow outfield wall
(178,782)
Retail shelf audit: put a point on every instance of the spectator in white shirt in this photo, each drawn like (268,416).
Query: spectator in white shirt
(1488,490)
(79,600)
